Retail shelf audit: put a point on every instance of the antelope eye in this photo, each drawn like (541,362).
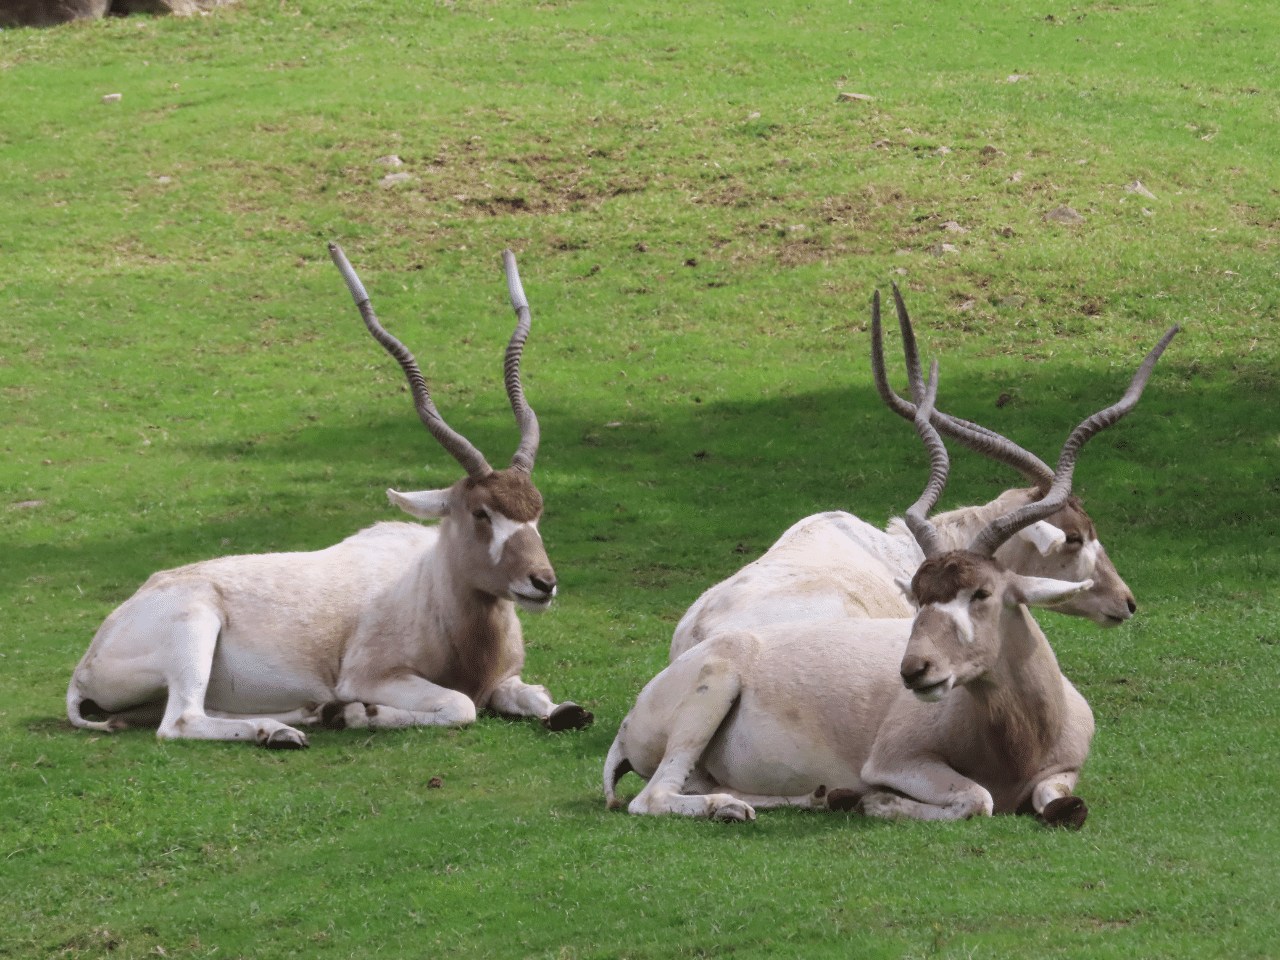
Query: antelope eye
(480,515)
(1075,541)
(981,594)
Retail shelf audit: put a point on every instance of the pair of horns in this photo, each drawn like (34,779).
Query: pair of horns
(471,459)
(930,423)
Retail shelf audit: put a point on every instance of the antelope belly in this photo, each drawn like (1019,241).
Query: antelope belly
(247,682)
(757,752)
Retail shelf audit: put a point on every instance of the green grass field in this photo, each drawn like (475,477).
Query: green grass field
(700,220)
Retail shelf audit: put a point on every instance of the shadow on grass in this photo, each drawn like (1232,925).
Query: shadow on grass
(691,474)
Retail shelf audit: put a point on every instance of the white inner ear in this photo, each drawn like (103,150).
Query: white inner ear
(424,504)
(1043,592)
(1046,537)
(905,587)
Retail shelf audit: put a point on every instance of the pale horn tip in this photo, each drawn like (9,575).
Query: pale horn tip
(354,285)
(518,300)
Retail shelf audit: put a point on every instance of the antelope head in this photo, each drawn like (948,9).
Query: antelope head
(971,606)
(1065,546)
(1062,544)
(489,519)
(960,633)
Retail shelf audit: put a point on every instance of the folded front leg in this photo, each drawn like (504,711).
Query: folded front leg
(404,699)
(923,789)
(515,697)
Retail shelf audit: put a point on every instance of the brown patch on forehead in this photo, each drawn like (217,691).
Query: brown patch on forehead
(1072,519)
(939,579)
(511,493)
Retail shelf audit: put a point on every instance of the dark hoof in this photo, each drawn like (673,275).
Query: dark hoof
(1069,812)
(568,716)
(286,739)
(332,716)
(842,800)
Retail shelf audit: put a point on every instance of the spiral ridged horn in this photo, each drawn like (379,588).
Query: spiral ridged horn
(972,435)
(525,417)
(917,515)
(455,443)
(1002,528)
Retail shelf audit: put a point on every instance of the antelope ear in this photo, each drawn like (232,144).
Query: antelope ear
(905,587)
(1043,592)
(1045,536)
(424,504)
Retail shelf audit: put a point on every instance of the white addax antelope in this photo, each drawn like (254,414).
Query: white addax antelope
(834,564)
(398,625)
(960,711)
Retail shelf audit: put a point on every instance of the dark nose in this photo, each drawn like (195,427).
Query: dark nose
(913,668)
(545,584)
(1133,607)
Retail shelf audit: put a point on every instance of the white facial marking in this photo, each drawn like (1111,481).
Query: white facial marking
(504,528)
(1088,559)
(958,610)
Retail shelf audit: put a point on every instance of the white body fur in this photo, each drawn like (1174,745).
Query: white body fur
(395,626)
(235,648)
(775,715)
(834,564)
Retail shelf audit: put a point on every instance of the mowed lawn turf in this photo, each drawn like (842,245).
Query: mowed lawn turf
(701,216)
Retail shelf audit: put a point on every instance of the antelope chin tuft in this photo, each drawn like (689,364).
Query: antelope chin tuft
(1104,619)
(533,604)
(933,692)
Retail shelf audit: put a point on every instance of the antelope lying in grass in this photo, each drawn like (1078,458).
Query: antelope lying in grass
(960,711)
(395,626)
(833,564)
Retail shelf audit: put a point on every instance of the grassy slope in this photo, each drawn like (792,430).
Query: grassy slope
(182,376)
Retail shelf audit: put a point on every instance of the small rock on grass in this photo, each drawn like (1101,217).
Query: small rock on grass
(112,97)
(850,95)
(1063,214)
(1139,189)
